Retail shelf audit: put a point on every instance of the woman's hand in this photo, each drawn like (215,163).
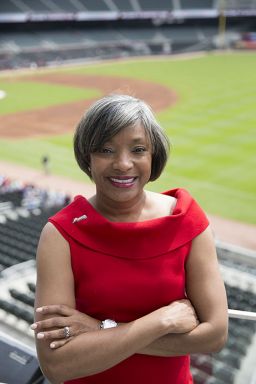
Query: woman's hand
(65,324)
(179,317)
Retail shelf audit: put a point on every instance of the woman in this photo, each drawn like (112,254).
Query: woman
(128,280)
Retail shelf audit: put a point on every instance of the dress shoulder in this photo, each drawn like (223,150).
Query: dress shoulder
(81,223)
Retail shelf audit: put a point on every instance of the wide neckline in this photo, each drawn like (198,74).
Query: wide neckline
(175,213)
(132,240)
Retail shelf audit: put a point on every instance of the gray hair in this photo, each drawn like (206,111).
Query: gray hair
(108,116)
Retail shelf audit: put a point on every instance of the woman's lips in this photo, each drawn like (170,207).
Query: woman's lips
(122,182)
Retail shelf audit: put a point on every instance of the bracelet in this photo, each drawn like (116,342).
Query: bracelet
(108,323)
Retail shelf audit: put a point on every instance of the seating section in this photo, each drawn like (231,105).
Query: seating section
(9,7)
(124,36)
(124,6)
(95,5)
(240,265)
(34,6)
(24,210)
(222,367)
(197,4)
(19,234)
(240,4)
(41,6)
(152,5)
(81,37)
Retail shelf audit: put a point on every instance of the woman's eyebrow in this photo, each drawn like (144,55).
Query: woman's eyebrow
(139,140)
(135,140)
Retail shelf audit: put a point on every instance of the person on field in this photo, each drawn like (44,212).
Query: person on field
(45,160)
(128,284)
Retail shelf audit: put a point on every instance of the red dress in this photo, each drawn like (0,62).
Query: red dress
(123,271)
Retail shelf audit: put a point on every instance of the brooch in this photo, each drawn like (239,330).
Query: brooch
(77,219)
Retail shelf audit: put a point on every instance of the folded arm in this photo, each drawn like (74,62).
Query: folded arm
(205,289)
(153,334)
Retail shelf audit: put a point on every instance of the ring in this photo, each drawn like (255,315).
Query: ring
(66,332)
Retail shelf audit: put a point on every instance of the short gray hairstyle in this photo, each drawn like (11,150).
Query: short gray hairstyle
(108,116)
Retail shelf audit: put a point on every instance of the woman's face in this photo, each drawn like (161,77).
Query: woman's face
(122,167)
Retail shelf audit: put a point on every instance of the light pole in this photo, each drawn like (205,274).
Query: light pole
(222,23)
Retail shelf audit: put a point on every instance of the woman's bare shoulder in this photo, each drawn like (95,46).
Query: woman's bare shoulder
(50,236)
(49,229)
(163,205)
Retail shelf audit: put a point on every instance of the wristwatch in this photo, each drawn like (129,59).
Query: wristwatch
(108,323)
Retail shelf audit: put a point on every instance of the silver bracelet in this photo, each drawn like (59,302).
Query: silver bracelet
(108,323)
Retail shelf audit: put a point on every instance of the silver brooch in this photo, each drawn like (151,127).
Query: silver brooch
(77,219)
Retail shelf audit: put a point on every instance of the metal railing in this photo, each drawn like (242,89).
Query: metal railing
(247,315)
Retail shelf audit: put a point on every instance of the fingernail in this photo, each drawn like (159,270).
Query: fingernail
(40,309)
(40,335)
(33,326)
(52,345)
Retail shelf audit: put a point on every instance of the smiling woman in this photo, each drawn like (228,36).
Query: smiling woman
(120,170)
(120,146)
(127,280)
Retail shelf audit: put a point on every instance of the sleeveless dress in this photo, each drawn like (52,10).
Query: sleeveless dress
(123,271)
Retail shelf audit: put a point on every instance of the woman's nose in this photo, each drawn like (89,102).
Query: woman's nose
(123,162)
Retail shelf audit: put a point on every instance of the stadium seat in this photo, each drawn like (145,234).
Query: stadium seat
(20,313)
(197,4)
(231,358)
(19,364)
(24,298)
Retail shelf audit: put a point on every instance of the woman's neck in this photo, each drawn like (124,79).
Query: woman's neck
(121,211)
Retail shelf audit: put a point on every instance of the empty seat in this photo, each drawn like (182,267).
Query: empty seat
(202,362)
(15,197)
(20,313)
(24,298)
(152,5)
(95,5)
(7,261)
(235,344)
(231,358)
(32,287)
(196,4)
(224,373)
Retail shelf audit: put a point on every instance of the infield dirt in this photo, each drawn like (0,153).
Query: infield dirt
(62,118)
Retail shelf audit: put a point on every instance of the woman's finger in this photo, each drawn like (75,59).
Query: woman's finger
(54,322)
(59,343)
(56,334)
(59,309)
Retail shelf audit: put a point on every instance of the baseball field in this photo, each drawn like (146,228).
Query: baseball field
(206,103)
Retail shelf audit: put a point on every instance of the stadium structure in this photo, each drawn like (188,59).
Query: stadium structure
(52,32)
(47,32)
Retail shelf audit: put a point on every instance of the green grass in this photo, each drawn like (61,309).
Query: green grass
(22,95)
(212,129)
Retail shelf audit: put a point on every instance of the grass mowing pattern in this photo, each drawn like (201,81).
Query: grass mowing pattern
(212,129)
(24,96)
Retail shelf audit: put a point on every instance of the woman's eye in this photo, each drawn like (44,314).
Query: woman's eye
(105,150)
(139,149)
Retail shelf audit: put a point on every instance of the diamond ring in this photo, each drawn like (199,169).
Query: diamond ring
(66,332)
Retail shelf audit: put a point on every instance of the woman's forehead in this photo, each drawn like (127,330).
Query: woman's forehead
(135,133)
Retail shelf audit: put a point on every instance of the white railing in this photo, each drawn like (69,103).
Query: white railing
(235,313)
